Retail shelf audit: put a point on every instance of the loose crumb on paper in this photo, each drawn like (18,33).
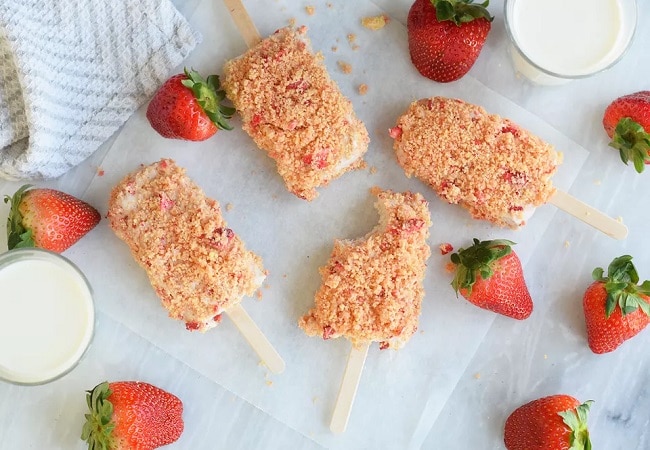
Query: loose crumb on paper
(619,219)
(310,10)
(567,244)
(292,21)
(373,170)
(334,48)
(450,267)
(545,356)
(314,399)
(352,38)
(258,295)
(363,89)
(445,248)
(346,68)
(100,172)
(269,383)
(375,22)
(597,182)
(477,376)
(229,206)
(329,5)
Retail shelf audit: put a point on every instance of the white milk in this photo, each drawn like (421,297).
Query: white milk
(570,38)
(46,317)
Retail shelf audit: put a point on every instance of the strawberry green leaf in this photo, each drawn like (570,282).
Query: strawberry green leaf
(633,143)
(210,96)
(17,235)
(621,285)
(477,259)
(98,428)
(461,11)
(576,420)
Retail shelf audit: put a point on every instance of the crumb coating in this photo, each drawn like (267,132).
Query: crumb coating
(491,166)
(196,264)
(294,111)
(372,287)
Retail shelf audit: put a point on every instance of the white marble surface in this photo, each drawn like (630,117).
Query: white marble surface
(456,381)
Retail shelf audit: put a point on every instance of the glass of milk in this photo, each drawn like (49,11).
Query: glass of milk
(47,316)
(556,41)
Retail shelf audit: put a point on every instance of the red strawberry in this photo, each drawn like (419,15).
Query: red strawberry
(489,274)
(131,415)
(48,219)
(557,422)
(627,123)
(189,107)
(446,36)
(616,307)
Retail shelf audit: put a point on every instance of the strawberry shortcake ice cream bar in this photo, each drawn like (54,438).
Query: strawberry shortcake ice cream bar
(196,264)
(295,112)
(491,166)
(372,287)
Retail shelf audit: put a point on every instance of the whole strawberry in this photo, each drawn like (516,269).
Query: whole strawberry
(627,123)
(188,107)
(131,415)
(616,307)
(557,422)
(446,36)
(489,275)
(47,218)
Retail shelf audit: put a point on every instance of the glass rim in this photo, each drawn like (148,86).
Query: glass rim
(17,254)
(516,46)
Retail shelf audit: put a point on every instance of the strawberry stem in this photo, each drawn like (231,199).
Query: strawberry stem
(576,420)
(621,284)
(17,235)
(98,429)
(633,143)
(477,259)
(461,11)
(210,97)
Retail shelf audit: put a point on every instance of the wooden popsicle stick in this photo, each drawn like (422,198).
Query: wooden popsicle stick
(591,216)
(348,389)
(256,338)
(243,22)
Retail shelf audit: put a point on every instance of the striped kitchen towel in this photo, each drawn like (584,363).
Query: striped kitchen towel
(73,71)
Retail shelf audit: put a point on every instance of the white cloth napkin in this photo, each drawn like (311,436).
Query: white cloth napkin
(73,71)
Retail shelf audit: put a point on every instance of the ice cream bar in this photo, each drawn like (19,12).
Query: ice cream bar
(196,264)
(295,112)
(488,164)
(372,287)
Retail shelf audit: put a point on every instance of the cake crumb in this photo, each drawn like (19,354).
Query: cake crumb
(310,10)
(346,68)
(446,248)
(567,244)
(329,5)
(545,356)
(375,22)
(351,38)
(619,219)
(315,399)
(292,22)
(229,206)
(334,48)
(269,383)
(597,182)
(363,89)
(100,172)
(355,47)
(258,295)
(450,267)
(284,275)
(477,376)
(373,170)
